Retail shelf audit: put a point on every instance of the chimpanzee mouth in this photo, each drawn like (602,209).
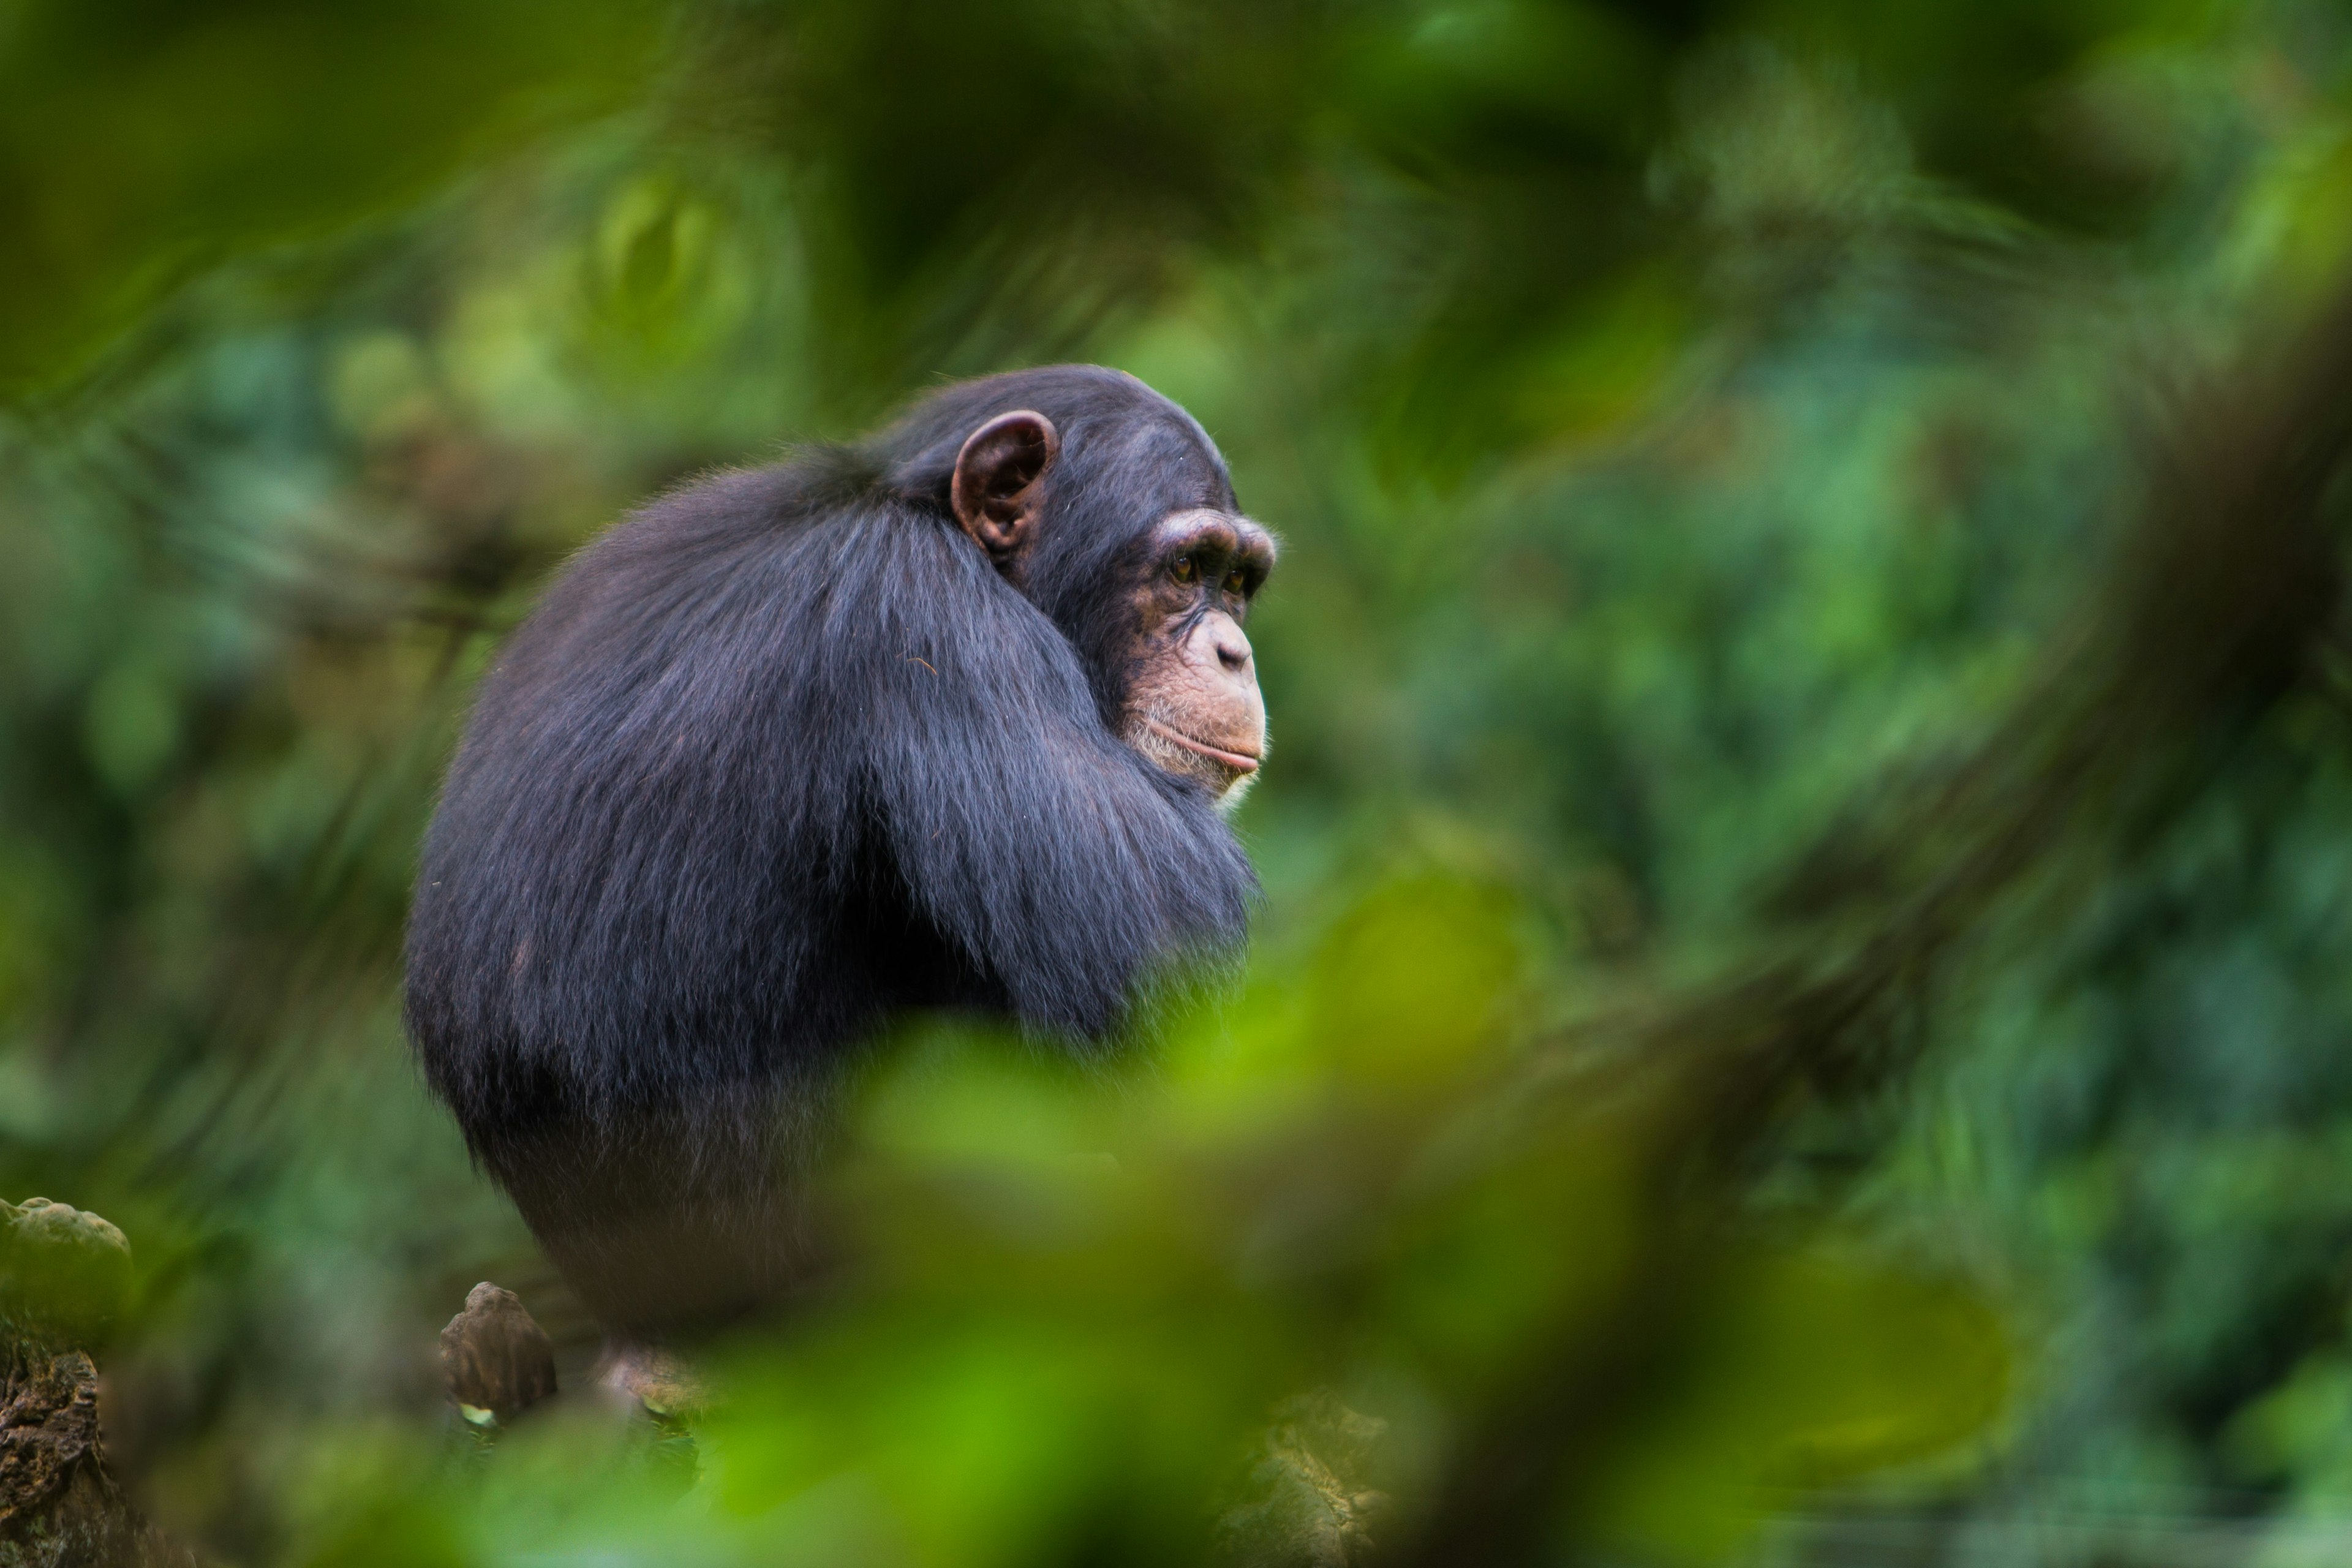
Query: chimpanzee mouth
(1240,762)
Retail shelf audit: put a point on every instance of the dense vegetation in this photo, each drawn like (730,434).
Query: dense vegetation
(1802,1006)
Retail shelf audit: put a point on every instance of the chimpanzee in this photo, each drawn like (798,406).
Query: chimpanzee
(941,720)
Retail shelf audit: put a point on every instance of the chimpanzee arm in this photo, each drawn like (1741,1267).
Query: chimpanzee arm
(1058,859)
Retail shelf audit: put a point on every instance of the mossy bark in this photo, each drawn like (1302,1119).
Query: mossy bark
(63,1278)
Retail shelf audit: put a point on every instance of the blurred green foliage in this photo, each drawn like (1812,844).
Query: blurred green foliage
(1693,428)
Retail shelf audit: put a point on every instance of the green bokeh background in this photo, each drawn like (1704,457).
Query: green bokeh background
(1689,426)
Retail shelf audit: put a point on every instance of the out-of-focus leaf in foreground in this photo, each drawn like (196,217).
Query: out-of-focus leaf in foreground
(140,143)
(1072,1311)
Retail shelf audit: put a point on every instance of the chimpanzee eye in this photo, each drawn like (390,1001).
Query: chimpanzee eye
(1185,569)
(1236,582)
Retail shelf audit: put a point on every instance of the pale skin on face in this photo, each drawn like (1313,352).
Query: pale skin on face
(1195,708)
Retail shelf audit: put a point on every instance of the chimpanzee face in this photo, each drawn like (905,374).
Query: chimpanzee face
(1190,702)
(1194,705)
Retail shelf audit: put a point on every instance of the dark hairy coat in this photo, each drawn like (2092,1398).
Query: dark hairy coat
(780,758)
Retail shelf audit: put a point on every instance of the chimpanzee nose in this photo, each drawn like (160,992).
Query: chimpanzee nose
(1233,649)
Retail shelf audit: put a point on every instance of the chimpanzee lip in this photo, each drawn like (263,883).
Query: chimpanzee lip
(1240,762)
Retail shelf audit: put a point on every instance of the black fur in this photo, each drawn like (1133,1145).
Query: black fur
(779,758)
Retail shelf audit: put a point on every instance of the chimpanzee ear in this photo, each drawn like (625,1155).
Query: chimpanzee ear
(998,491)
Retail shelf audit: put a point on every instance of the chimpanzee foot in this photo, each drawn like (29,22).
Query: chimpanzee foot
(659,1395)
(498,1360)
(500,1365)
(652,1378)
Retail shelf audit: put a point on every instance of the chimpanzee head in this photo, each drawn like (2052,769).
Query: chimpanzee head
(1110,509)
